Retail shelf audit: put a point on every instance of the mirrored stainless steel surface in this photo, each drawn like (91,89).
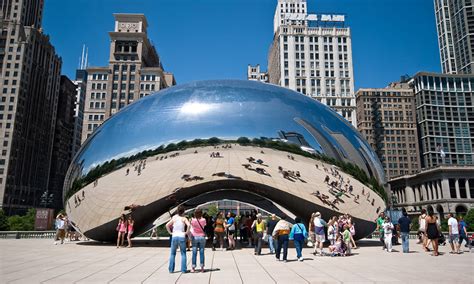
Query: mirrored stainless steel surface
(190,140)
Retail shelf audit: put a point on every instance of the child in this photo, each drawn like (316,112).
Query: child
(388,227)
(347,238)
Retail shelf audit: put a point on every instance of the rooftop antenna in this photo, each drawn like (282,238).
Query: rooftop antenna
(85,61)
(82,57)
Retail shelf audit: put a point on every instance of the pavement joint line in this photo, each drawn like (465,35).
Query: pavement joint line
(165,261)
(256,259)
(237,266)
(329,275)
(212,265)
(25,263)
(99,270)
(61,264)
(141,262)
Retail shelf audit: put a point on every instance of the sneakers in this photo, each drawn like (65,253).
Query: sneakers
(300,259)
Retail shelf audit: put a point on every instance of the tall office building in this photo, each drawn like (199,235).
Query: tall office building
(312,54)
(30,72)
(254,73)
(455,25)
(445,112)
(135,70)
(386,118)
(63,139)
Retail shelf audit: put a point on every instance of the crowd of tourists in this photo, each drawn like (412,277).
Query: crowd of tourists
(430,235)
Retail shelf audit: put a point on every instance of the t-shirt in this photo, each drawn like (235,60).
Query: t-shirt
(230,222)
(453,223)
(387,227)
(422,222)
(404,223)
(462,225)
(319,225)
(346,235)
(380,221)
(196,225)
(271,226)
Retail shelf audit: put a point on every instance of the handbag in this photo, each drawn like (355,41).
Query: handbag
(310,244)
(299,236)
(265,237)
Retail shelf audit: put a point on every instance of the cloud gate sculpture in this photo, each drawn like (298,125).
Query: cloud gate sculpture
(211,140)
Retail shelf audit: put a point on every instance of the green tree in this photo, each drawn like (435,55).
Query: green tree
(212,210)
(3,221)
(469,219)
(243,140)
(23,223)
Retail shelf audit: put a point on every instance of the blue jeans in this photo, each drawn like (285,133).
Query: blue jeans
(175,242)
(271,244)
(299,247)
(282,243)
(199,243)
(405,243)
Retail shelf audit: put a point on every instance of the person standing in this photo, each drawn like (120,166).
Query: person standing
(380,221)
(178,227)
(122,230)
(346,237)
(270,227)
(388,231)
(432,230)
(130,223)
(258,227)
(462,232)
(219,231)
(230,226)
(298,234)
(332,230)
(319,235)
(453,233)
(198,223)
(422,230)
(404,228)
(281,233)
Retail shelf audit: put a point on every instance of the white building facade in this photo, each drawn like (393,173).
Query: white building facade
(312,54)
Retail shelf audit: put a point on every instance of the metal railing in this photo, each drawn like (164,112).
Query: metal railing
(27,234)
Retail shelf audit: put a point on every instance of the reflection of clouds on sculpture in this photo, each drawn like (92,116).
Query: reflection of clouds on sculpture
(192,118)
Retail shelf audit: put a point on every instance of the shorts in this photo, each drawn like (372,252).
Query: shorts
(60,234)
(463,237)
(320,238)
(231,232)
(454,238)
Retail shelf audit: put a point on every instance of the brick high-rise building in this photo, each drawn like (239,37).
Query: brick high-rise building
(29,86)
(135,70)
(386,118)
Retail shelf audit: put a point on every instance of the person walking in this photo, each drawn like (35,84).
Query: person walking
(219,231)
(404,228)
(298,234)
(270,227)
(122,230)
(230,226)
(178,227)
(462,232)
(453,233)
(130,223)
(258,227)
(388,233)
(319,235)
(281,233)
(380,221)
(60,229)
(198,223)
(432,230)
(422,229)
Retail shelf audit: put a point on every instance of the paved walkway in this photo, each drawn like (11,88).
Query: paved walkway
(39,261)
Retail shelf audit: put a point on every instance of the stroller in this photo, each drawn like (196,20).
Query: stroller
(441,239)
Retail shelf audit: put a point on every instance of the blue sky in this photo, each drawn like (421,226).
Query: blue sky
(216,39)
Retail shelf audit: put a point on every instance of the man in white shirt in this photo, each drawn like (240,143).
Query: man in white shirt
(388,228)
(453,234)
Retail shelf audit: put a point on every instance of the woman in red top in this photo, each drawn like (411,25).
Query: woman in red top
(130,222)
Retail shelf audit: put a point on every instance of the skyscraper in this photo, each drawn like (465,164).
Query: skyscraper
(445,112)
(455,25)
(30,72)
(312,54)
(135,70)
(386,118)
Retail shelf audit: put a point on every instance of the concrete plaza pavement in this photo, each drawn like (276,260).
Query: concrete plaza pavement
(40,261)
